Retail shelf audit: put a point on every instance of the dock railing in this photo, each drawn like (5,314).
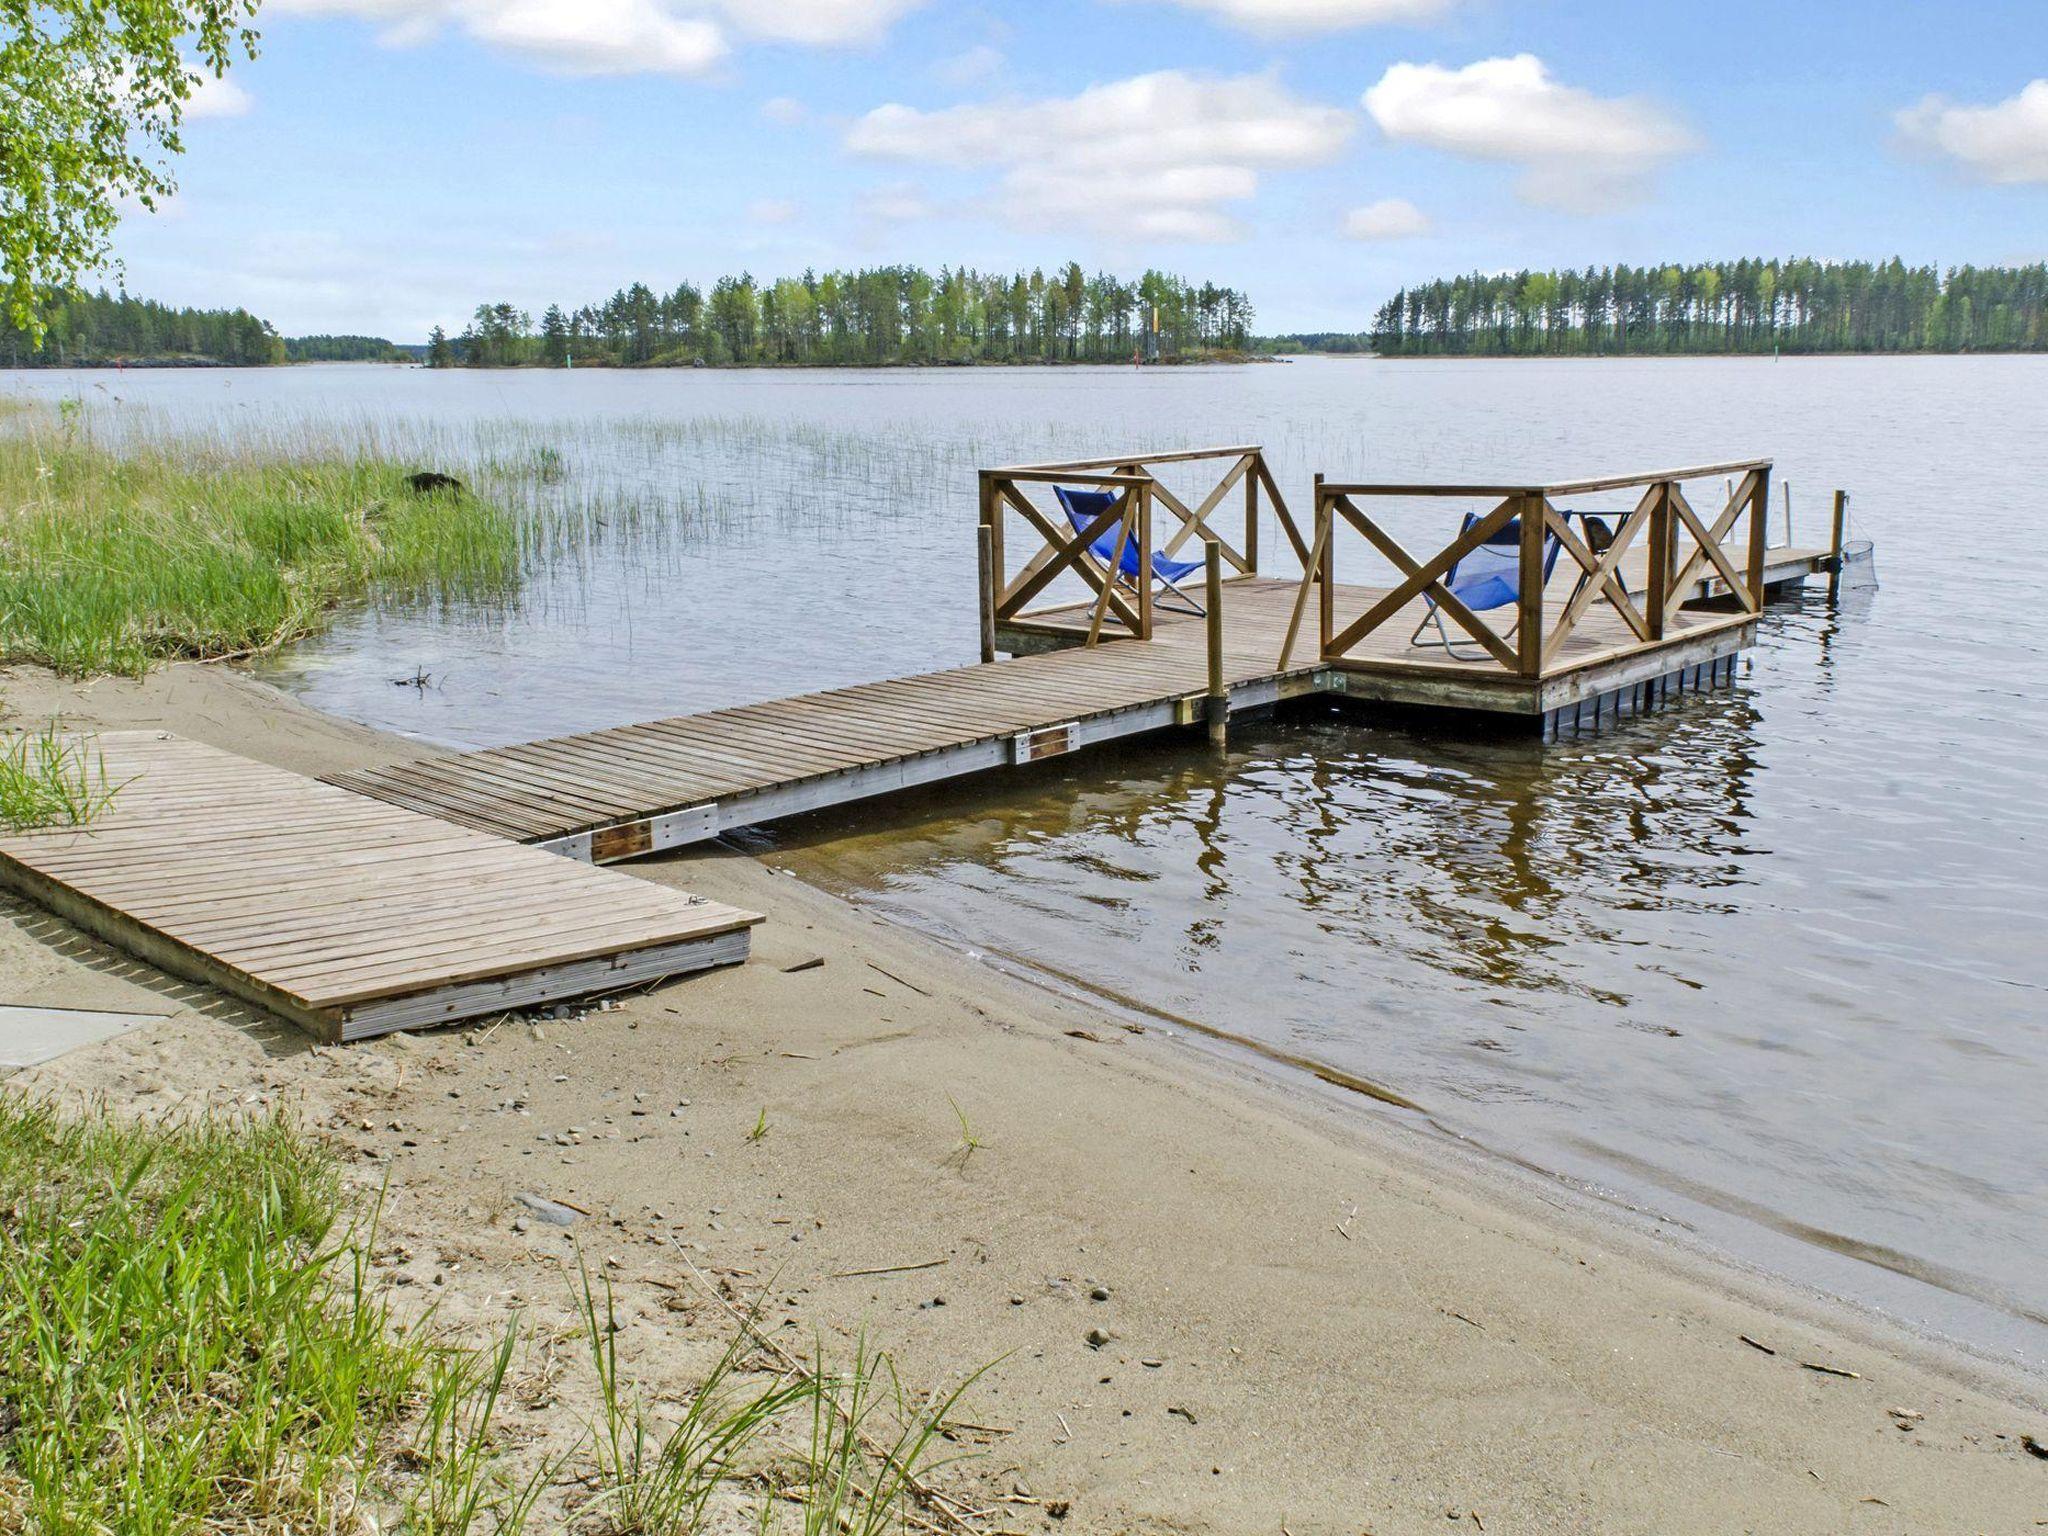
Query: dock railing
(1143,508)
(1682,548)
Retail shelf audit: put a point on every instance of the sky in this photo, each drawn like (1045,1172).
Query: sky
(387,165)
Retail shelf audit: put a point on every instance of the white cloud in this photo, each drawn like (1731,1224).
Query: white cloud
(217,96)
(772,210)
(828,23)
(898,203)
(573,37)
(618,37)
(1578,151)
(971,66)
(1392,218)
(2004,142)
(1319,15)
(1156,157)
(783,110)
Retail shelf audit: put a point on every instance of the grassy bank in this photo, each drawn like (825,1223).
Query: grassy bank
(113,560)
(191,1338)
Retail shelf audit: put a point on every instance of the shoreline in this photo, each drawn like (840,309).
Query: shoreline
(1356,1321)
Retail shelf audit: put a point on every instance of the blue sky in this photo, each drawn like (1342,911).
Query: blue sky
(388,164)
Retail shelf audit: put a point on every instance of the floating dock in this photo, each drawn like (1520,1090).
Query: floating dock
(345,915)
(1118,664)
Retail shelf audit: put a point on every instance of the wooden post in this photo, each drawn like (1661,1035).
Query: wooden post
(1759,536)
(985,549)
(1529,628)
(1660,556)
(1326,597)
(1145,559)
(1835,542)
(1218,702)
(1251,510)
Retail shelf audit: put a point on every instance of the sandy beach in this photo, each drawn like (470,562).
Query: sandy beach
(1211,1296)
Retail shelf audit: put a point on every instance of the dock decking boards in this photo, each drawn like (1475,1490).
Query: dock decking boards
(637,789)
(347,915)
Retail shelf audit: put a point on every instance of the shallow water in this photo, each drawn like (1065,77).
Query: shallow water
(1770,964)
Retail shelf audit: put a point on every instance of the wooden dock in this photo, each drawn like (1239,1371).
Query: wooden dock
(400,896)
(345,915)
(1609,635)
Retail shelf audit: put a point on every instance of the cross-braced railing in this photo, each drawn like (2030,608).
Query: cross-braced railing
(1058,548)
(1681,549)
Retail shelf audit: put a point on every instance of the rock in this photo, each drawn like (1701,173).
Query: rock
(1100,1293)
(1095,1338)
(554,1214)
(428,481)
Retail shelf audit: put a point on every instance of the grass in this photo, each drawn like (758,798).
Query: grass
(970,1143)
(186,1337)
(49,780)
(191,1341)
(116,556)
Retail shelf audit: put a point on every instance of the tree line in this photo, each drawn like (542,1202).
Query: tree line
(881,315)
(1749,306)
(343,349)
(93,328)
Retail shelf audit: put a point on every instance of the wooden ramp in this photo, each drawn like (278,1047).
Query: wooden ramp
(348,916)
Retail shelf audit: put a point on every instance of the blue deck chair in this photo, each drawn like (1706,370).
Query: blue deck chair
(1083,507)
(1487,576)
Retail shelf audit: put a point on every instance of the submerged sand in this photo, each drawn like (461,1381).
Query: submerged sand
(1216,1299)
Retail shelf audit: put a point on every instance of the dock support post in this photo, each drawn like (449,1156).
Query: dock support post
(1658,598)
(1529,632)
(1759,537)
(1835,545)
(1326,597)
(985,550)
(1218,703)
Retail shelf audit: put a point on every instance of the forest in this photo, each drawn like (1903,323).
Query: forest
(882,315)
(90,328)
(343,349)
(1748,306)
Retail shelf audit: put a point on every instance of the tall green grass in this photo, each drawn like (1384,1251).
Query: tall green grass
(191,1341)
(117,556)
(187,1340)
(50,780)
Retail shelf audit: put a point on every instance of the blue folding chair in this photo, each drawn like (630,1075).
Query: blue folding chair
(1489,575)
(1084,507)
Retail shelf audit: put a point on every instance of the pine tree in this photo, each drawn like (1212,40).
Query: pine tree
(554,337)
(439,353)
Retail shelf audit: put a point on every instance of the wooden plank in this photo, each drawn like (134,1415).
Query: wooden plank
(309,908)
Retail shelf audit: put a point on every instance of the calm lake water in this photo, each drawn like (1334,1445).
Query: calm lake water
(1770,965)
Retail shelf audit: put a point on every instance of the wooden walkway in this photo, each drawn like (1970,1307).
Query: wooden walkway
(638,789)
(345,915)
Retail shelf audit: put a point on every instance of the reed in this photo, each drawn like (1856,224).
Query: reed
(118,555)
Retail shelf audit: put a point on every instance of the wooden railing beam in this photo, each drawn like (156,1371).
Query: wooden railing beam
(1534,515)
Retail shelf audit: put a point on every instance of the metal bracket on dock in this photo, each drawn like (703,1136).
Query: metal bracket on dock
(1046,741)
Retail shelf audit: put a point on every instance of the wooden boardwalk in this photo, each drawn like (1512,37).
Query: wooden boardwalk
(637,789)
(346,915)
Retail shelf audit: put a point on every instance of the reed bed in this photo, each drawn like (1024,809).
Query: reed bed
(116,557)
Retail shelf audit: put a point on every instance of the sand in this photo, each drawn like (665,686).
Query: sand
(1318,1318)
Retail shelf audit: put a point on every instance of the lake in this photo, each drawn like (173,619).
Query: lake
(1769,966)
